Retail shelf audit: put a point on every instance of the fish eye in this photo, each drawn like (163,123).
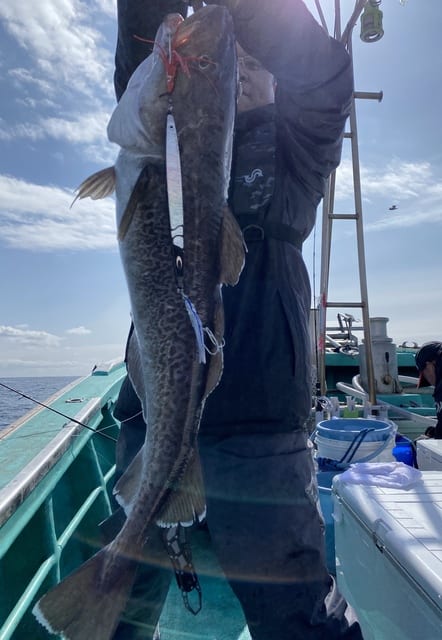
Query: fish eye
(205,62)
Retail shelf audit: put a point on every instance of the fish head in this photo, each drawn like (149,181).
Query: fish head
(204,93)
(137,123)
(193,70)
(205,56)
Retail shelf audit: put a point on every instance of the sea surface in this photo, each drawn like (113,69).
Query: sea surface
(13,406)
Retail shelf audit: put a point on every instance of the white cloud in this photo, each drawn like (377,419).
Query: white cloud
(16,367)
(28,337)
(397,179)
(413,186)
(23,76)
(66,79)
(78,331)
(33,103)
(84,128)
(89,130)
(62,361)
(63,43)
(39,218)
(108,7)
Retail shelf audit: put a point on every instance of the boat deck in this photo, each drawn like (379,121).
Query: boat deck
(26,438)
(55,481)
(220,618)
(55,487)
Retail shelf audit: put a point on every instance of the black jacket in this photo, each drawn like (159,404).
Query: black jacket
(437,395)
(282,156)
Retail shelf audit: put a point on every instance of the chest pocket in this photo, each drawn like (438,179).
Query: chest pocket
(253,181)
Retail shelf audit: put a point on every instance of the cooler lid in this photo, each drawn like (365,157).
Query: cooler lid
(433,446)
(406,523)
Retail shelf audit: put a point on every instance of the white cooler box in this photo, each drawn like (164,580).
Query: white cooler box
(429,454)
(389,557)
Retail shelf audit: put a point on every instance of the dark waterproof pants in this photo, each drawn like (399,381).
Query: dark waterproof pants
(267,534)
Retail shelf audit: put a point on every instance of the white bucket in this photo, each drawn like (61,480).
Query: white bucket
(336,449)
(343,440)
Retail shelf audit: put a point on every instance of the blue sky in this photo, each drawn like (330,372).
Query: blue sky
(64,305)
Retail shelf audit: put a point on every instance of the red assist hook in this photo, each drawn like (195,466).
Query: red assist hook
(172,60)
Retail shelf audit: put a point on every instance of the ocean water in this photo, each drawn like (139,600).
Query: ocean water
(13,406)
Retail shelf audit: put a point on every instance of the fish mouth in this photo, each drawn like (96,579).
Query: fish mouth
(172,21)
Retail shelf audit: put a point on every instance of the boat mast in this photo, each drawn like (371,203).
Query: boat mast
(329,214)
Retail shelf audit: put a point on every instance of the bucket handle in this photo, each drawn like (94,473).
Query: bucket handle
(343,463)
(359,436)
(354,446)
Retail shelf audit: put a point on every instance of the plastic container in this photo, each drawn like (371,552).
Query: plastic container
(355,440)
(388,557)
(429,454)
(348,428)
(403,450)
(336,449)
(325,479)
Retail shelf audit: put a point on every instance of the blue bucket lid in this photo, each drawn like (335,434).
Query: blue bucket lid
(348,428)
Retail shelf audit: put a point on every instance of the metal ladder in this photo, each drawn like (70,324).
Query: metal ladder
(329,216)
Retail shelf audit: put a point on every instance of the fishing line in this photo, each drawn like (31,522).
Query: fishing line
(63,415)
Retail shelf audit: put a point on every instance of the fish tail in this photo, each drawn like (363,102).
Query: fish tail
(85,604)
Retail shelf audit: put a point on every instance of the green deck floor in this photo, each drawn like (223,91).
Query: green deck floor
(220,618)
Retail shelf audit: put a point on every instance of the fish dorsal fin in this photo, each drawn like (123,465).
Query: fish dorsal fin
(232,249)
(138,193)
(97,186)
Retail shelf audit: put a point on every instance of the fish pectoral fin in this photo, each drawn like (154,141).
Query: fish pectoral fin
(86,604)
(136,197)
(186,502)
(126,489)
(232,249)
(97,186)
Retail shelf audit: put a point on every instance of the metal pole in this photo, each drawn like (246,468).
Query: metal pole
(321,15)
(361,248)
(327,221)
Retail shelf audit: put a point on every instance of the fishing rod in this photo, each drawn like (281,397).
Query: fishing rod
(63,415)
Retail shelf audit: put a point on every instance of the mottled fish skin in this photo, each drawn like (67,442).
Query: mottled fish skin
(163,360)
(168,378)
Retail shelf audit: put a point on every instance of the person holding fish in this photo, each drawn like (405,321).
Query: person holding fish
(257,465)
(258,474)
(219,387)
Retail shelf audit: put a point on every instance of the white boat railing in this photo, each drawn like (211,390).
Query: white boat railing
(356,390)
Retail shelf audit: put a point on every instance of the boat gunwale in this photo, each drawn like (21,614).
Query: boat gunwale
(13,494)
(73,434)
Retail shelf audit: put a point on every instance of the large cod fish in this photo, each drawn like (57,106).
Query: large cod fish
(179,243)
